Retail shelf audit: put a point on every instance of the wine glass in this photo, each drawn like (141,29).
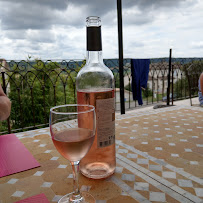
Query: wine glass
(72,129)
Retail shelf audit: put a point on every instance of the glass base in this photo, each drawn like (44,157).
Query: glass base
(97,170)
(85,197)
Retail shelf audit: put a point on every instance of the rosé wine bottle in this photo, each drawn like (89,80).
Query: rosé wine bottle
(95,86)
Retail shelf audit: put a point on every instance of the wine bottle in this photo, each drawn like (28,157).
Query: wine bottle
(95,86)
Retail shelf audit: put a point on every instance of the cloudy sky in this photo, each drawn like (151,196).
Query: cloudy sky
(55,29)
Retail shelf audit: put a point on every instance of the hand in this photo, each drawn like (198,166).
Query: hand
(5,105)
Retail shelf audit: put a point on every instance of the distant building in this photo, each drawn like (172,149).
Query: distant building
(158,76)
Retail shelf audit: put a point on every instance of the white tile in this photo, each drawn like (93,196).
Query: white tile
(156,125)
(70,176)
(54,158)
(18,194)
(183,140)
(169,135)
(158,148)
(132,156)
(124,127)
(145,134)
(12,181)
(122,133)
(194,162)
(157,196)
(124,193)
(128,177)
(145,128)
(172,144)
(189,130)
(195,137)
(199,145)
(134,131)
(57,198)
(144,143)
(132,138)
(47,184)
(85,188)
(142,161)
(122,151)
(157,138)
(180,133)
(141,186)
(156,132)
(177,126)
(168,174)
(47,151)
(38,173)
(36,140)
(185,183)
(167,129)
(155,167)
(199,192)
(62,166)
(175,155)
(188,150)
(42,145)
(119,169)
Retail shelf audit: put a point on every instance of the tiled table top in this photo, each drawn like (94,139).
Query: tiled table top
(159,159)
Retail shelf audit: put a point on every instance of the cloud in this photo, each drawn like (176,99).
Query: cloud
(56,29)
(37,14)
(197,45)
(42,36)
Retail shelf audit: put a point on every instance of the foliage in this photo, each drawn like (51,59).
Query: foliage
(193,71)
(147,92)
(36,87)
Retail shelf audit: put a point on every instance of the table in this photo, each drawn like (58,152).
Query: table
(159,159)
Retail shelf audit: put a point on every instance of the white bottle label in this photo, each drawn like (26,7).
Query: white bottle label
(105,112)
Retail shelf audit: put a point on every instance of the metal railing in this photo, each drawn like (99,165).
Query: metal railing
(35,86)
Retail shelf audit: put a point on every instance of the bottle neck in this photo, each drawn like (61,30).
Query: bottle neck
(94,57)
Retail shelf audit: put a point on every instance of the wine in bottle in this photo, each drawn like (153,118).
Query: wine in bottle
(95,86)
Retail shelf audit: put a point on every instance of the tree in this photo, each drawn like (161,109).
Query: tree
(36,86)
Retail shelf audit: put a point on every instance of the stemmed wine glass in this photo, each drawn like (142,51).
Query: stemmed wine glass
(72,129)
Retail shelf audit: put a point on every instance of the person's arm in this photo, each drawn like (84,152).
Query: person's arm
(5,105)
(201,82)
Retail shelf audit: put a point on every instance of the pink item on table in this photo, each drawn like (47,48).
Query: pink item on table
(14,156)
(41,198)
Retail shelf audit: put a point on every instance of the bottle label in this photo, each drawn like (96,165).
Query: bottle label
(105,112)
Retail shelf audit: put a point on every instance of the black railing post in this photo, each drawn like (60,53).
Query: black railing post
(169,78)
(4,88)
(172,84)
(120,43)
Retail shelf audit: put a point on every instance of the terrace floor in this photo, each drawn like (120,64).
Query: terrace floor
(159,159)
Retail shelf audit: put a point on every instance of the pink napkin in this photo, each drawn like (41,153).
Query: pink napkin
(14,156)
(41,198)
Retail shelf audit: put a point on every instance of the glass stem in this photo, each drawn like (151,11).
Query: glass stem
(76,191)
